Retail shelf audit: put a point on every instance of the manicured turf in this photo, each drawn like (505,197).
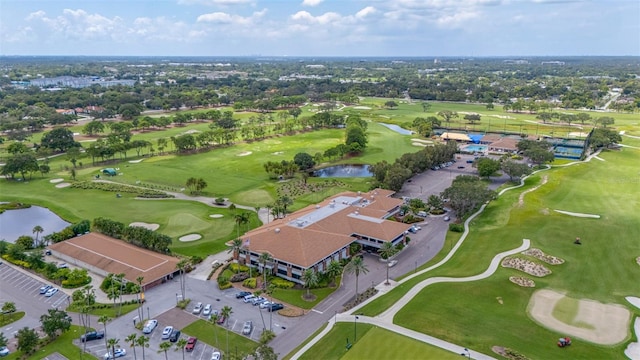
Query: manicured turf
(599,269)
(204,331)
(6,319)
(109,310)
(294,296)
(372,343)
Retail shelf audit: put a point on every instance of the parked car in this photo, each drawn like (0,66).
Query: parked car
(51,292)
(248,326)
(216,355)
(191,344)
(221,320)
(118,353)
(258,300)
(265,304)
(44,289)
(63,266)
(422,213)
(207,310)
(242,294)
(4,351)
(175,336)
(92,335)
(413,230)
(446,218)
(275,307)
(149,326)
(392,263)
(248,298)
(197,309)
(166,332)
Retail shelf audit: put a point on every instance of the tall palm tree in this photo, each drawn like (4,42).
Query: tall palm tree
(182,265)
(38,230)
(104,319)
(310,278)
(139,280)
(334,270)
(241,219)
(263,259)
(214,320)
(356,266)
(226,312)
(236,246)
(111,343)
(143,342)
(386,251)
(164,346)
(120,278)
(180,344)
(132,341)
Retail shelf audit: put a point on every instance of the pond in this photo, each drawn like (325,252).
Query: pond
(397,129)
(344,171)
(15,223)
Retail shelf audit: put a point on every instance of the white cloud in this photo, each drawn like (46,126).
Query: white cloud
(225,18)
(369,10)
(216,2)
(456,20)
(311,2)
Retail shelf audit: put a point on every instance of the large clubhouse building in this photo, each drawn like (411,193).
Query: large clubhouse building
(313,237)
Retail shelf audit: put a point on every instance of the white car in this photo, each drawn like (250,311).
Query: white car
(51,292)
(166,332)
(248,326)
(149,326)
(265,304)
(392,263)
(207,310)
(248,298)
(118,353)
(197,309)
(216,355)
(4,351)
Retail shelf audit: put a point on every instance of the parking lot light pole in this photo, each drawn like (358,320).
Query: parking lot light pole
(466,353)
(355,329)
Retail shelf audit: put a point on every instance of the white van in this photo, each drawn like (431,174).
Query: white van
(422,213)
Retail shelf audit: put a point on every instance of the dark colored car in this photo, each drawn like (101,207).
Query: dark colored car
(242,294)
(221,319)
(191,344)
(175,335)
(92,335)
(276,307)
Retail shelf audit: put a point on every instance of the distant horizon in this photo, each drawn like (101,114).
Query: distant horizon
(515,57)
(321,28)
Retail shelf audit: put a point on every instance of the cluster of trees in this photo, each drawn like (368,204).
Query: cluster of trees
(196,186)
(356,134)
(392,176)
(539,152)
(488,167)
(466,194)
(135,235)
(284,168)
(604,138)
(424,126)
(54,323)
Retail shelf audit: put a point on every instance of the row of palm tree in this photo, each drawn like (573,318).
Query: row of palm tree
(225,312)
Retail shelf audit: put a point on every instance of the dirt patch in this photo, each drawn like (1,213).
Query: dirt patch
(526,266)
(508,353)
(152,227)
(521,198)
(522,281)
(55,181)
(540,255)
(593,216)
(607,324)
(500,301)
(291,312)
(245,153)
(63,185)
(190,237)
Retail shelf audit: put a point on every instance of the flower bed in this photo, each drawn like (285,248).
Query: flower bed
(522,281)
(540,255)
(120,188)
(526,266)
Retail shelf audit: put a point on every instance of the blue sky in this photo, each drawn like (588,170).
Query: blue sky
(320,27)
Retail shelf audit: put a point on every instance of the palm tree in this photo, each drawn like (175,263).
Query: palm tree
(386,251)
(180,344)
(226,312)
(132,341)
(356,266)
(214,320)
(38,230)
(111,343)
(310,278)
(139,280)
(236,246)
(164,346)
(143,342)
(285,201)
(104,319)
(264,258)
(334,270)
(241,219)
(120,278)
(182,265)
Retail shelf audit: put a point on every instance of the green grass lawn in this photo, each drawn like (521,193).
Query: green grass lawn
(372,343)
(109,310)
(6,319)
(599,269)
(206,332)
(63,345)
(294,296)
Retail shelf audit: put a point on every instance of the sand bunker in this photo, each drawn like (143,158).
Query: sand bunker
(415,143)
(638,260)
(152,227)
(135,161)
(578,134)
(216,216)
(526,266)
(633,301)
(604,324)
(593,216)
(245,153)
(423,141)
(192,131)
(190,237)
(362,107)
(62,185)
(278,153)
(540,255)
(633,349)
(55,181)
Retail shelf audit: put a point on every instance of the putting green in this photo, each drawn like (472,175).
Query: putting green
(185,223)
